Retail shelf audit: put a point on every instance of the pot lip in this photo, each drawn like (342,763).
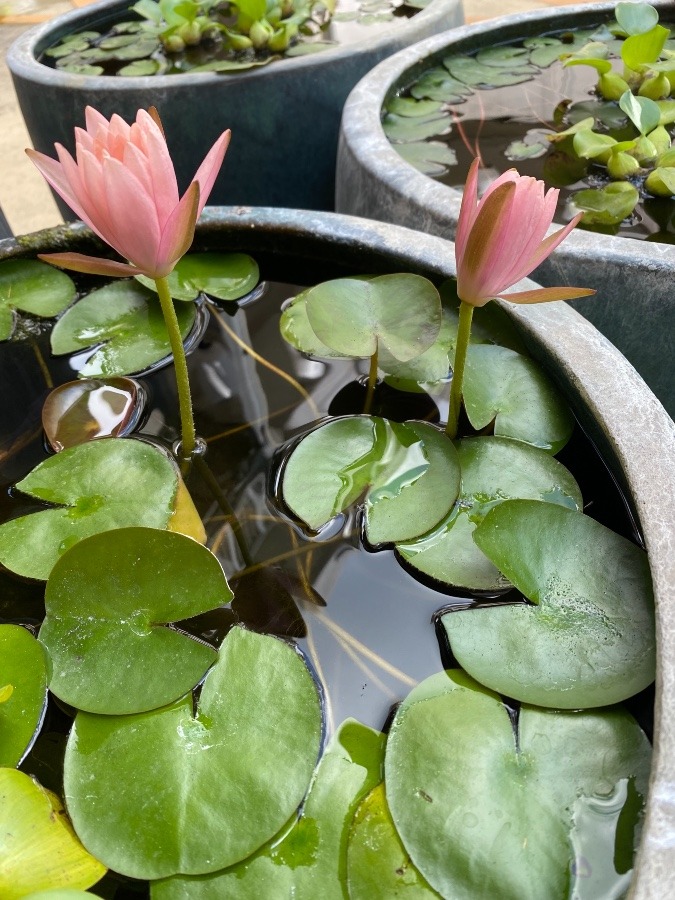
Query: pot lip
(22,54)
(362,136)
(641,437)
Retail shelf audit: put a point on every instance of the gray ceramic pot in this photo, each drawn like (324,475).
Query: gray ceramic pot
(634,307)
(284,117)
(635,436)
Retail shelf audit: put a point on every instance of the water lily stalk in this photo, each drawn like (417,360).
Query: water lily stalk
(461,348)
(500,239)
(187,421)
(372,382)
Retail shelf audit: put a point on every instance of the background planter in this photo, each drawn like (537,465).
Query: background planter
(284,117)
(621,414)
(634,306)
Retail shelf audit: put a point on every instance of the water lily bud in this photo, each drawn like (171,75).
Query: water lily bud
(260,33)
(174,43)
(612,86)
(622,165)
(191,33)
(656,185)
(239,41)
(660,139)
(644,151)
(656,87)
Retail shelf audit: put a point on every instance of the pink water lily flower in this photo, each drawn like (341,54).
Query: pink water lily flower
(501,238)
(122,183)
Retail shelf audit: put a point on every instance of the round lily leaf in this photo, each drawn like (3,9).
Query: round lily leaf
(309,860)
(410,473)
(100,485)
(409,106)
(38,847)
(429,157)
(226,276)
(295,328)
(174,791)
(503,56)
(587,638)
(378,863)
(355,316)
(107,601)
(404,128)
(470,71)
(501,802)
(33,287)
(23,692)
(506,388)
(609,205)
(493,469)
(438,84)
(126,319)
(544,51)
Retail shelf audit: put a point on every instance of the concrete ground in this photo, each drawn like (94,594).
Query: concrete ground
(24,197)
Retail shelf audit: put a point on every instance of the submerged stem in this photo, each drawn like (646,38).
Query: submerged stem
(188,436)
(461,347)
(224,504)
(372,381)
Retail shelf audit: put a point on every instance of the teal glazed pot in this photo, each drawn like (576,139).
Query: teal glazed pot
(284,117)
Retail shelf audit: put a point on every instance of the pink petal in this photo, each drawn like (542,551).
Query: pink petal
(467,211)
(544,295)
(132,216)
(548,246)
(91,265)
(208,171)
(533,212)
(179,231)
(161,172)
(52,172)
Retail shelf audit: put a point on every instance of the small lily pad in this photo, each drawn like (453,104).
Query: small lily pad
(33,287)
(477,799)
(378,863)
(309,860)
(23,692)
(492,470)
(544,51)
(506,388)
(96,486)
(191,792)
(126,319)
(587,638)
(429,157)
(355,316)
(38,847)
(226,276)
(108,600)
(470,71)
(438,84)
(409,106)
(406,129)
(408,473)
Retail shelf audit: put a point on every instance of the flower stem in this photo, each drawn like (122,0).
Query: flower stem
(461,347)
(372,381)
(188,436)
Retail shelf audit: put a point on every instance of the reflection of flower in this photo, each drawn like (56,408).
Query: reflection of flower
(501,238)
(123,185)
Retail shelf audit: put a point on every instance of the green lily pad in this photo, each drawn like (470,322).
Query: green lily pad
(177,791)
(429,157)
(226,276)
(587,638)
(378,863)
(409,474)
(506,388)
(406,129)
(470,71)
(23,692)
(233,65)
(108,600)
(544,51)
(609,205)
(356,316)
(476,801)
(438,84)
(409,106)
(38,847)
(309,860)
(492,470)
(127,320)
(141,67)
(521,150)
(33,287)
(295,328)
(98,486)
